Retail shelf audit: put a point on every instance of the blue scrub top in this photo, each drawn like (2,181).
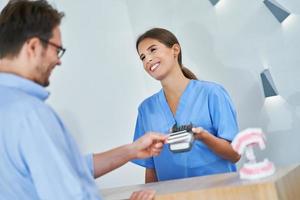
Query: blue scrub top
(204,104)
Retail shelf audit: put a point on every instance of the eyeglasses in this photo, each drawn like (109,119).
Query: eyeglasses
(59,49)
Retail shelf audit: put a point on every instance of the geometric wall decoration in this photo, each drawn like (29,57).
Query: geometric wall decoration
(277,10)
(214,2)
(268,84)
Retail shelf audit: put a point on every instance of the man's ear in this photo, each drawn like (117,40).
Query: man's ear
(176,50)
(33,47)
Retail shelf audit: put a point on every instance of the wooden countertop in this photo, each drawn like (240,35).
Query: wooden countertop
(283,185)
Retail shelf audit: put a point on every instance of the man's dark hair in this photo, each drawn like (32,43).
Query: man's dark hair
(21,20)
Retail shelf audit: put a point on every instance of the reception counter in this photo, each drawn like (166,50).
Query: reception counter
(283,185)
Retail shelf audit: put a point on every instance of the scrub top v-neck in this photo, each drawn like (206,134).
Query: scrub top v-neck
(204,104)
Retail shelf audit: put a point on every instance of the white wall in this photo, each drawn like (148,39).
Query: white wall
(99,86)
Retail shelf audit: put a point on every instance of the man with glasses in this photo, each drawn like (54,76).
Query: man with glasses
(60,50)
(38,157)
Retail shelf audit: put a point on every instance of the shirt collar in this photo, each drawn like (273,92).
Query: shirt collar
(25,85)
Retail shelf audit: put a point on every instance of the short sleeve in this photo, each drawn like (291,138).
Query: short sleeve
(139,132)
(56,167)
(89,158)
(222,113)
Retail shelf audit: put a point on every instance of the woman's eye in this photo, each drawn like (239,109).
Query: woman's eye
(142,58)
(153,49)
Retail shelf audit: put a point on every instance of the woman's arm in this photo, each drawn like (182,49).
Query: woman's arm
(150,175)
(220,146)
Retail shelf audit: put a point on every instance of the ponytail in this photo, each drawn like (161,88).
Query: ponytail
(188,73)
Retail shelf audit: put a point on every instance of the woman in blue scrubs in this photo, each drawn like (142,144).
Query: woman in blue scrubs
(183,100)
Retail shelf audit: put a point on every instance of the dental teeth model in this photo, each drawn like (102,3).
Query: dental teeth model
(244,143)
(181,139)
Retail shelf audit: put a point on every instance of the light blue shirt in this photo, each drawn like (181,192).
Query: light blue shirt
(38,157)
(204,104)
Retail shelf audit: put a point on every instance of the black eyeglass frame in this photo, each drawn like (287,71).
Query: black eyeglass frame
(61,51)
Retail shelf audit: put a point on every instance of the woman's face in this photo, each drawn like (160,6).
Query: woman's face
(158,59)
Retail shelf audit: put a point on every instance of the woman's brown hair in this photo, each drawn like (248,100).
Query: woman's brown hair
(169,39)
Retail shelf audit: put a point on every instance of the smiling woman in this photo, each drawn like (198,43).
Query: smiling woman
(184,100)
(163,40)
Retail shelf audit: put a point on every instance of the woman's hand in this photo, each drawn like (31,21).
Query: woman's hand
(199,133)
(218,145)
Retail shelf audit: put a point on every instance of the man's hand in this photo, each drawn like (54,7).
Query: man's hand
(143,195)
(149,145)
